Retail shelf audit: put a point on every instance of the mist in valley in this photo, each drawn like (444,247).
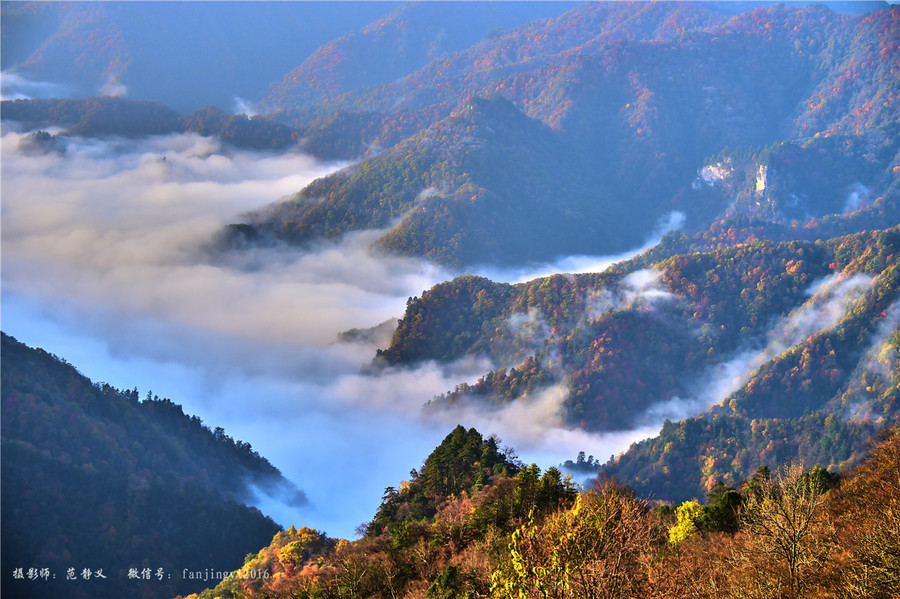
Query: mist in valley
(110,261)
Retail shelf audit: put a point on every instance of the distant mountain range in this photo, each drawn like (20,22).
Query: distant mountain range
(188,56)
(585,130)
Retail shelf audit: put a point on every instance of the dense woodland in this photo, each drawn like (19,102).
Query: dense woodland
(771,317)
(811,325)
(98,478)
(585,129)
(470,523)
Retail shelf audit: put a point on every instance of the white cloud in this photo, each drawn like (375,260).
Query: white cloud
(829,301)
(107,262)
(15,87)
(535,425)
(242,106)
(112,87)
(581,264)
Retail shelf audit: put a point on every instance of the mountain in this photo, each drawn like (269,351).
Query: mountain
(102,116)
(588,129)
(820,400)
(182,54)
(532,534)
(585,129)
(400,43)
(188,56)
(561,69)
(763,334)
(467,489)
(774,131)
(101,482)
(458,193)
(783,341)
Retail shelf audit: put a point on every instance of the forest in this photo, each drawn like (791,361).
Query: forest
(105,116)
(615,111)
(476,522)
(735,167)
(99,478)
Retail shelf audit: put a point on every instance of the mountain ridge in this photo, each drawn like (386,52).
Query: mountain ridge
(631,119)
(93,477)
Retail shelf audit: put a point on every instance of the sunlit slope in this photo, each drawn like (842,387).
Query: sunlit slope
(578,134)
(519,532)
(773,330)
(820,400)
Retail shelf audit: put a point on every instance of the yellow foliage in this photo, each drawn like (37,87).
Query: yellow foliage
(686,513)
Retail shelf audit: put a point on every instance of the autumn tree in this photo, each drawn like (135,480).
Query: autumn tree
(868,514)
(687,514)
(601,547)
(787,526)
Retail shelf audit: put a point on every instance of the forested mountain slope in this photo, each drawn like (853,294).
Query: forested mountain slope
(94,478)
(796,334)
(402,42)
(765,330)
(820,400)
(790,532)
(636,99)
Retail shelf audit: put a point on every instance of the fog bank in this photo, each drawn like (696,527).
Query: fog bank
(108,262)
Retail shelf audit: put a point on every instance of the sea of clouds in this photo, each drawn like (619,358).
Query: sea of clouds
(109,260)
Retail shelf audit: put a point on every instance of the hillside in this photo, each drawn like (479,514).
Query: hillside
(588,129)
(788,532)
(403,41)
(820,400)
(774,334)
(454,193)
(806,69)
(106,116)
(95,478)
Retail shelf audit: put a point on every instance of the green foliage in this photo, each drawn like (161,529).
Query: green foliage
(451,468)
(93,475)
(463,463)
(453,583)
(446,322)
(722,509)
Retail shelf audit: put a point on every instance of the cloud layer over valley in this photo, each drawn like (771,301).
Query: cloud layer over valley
(108,261)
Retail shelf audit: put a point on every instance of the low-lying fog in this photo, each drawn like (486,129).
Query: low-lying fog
(106,262)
